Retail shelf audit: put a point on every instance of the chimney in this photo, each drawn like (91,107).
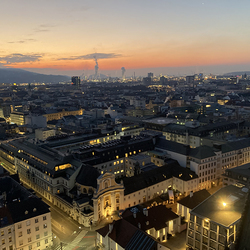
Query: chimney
(147,223)
(191,194)
(134,214)
(145,211)
(139,225)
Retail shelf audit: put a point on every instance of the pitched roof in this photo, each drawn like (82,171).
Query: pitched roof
(162,143)
(128,236)
(195,200)
(154,176)
(157,217)
(88,176)
(28,208)
(202,152)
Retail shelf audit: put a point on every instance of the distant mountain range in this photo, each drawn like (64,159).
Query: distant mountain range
(239,73)
(23,76)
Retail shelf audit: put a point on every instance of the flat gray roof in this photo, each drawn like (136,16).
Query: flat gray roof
(213,209)
(243,170)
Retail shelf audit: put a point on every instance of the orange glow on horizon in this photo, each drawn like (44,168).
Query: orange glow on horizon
(128,63)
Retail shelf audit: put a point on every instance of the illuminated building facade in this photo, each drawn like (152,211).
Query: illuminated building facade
(215,222)
(57,115)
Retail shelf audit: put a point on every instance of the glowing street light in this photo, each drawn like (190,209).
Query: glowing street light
(224,204)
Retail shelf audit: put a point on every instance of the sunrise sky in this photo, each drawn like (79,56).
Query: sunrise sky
(162,36)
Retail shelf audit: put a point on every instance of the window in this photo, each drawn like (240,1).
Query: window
(9,230)
(197,245)
(20,234)
(198,220)
(30,247)
(38,244)
(198,228)
(20,242)
(19,226)
(197,236)
(205,232)
(38,236)
(3,241)
(220,247)
(28,231)
(44,218)
(222,231)
(222,239)
(28,223)
(213,227)
(29,239)
(204,240)
(46,241)
(212,244)
(190,241)
(191,233)
(11,247)
(45,233)
(37,228)
(2,233)
(191,217)
(10,239)
(213,235)
(206,223)
(36,220)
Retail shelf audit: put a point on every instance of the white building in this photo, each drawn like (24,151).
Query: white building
(26,220)
(43,133)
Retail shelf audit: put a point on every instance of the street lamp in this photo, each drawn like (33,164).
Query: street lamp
(224,204)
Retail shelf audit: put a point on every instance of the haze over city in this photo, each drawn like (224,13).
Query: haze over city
(166,37)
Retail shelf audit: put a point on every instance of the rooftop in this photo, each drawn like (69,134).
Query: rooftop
(193,201)
(157,175)
(128,236)
(18,203)
(223,207)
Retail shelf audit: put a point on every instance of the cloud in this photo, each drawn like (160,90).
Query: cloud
(92,56)
(18,58)
(24,41)
(44,28)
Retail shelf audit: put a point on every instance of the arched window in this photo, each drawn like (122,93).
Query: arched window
(84,190)
(106,184)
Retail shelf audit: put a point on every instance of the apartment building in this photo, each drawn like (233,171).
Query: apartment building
(240,174)
(58,114)
(215,222)
(193,134)
(25,219)
(209,163)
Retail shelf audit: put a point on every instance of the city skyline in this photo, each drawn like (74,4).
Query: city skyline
(168,37)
